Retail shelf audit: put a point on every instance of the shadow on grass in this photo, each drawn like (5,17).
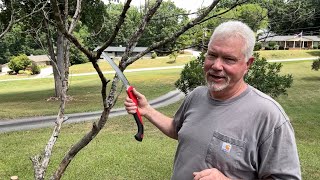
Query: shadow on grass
(311,78)
(171,62)
(314,53)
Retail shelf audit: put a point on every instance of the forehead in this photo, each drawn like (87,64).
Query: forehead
(227,45)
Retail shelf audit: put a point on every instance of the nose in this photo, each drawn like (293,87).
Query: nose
(217,64)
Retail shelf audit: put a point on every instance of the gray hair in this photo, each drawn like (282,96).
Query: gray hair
(236,29)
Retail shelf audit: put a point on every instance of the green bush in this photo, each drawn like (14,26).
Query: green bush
(257,46)
(316,65)
(0,68)
(35,69)
(272,45)
(18,63)
(266,77)
(262,75)
(192,75)
(315,47)
(153,55)
(77,57)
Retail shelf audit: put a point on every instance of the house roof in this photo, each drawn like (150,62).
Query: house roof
(39,58)
(122,49)
(291,38)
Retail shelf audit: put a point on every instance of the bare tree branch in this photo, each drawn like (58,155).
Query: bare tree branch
(61,27)
(138,33)
(75,17)
(13,20)
(117,28)
(173,36)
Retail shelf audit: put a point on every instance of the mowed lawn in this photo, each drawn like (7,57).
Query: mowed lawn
(114,154)
(27,98)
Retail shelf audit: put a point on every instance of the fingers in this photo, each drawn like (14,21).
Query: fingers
(130,106)
(201,175)
(209,174)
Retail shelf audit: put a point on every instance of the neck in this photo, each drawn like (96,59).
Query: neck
(228,93)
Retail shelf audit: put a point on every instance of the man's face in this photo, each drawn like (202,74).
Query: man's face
(225,64)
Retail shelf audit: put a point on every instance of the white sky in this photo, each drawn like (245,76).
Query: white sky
(191,5)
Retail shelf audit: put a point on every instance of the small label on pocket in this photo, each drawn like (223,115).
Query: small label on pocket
(226,147)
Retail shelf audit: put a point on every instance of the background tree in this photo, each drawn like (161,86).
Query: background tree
(11,13)
(174,56)
(252,14)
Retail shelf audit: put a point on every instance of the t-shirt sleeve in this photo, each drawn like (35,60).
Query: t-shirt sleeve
(278,155)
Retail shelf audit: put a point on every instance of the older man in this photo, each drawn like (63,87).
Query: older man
(228,129)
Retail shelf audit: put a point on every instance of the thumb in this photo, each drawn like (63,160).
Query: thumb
(137,94)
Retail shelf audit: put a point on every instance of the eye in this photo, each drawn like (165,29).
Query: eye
(211,56)
(230,60)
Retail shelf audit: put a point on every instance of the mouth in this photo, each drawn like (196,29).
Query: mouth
(216,78)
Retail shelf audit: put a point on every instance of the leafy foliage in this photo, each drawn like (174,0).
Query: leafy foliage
(266,77)
(18,63)
(262,75)
(192,75)
(76,56)
(35,69)
(174,56)
(316,65)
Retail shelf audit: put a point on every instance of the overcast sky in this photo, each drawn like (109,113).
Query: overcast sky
(191,5)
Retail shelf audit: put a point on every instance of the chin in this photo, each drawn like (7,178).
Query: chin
(215,87)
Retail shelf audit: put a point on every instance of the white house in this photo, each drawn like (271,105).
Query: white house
(294,42)
(115,51)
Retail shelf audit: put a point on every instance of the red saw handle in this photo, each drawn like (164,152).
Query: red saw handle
(137,116)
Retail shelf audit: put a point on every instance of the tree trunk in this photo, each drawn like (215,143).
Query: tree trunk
(58,70)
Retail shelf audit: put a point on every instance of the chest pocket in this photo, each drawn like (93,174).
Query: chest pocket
(225,153)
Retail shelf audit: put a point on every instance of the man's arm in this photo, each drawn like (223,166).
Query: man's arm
(279,156)
(162,122)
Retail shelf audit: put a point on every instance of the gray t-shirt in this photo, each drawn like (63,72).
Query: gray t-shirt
(246,137)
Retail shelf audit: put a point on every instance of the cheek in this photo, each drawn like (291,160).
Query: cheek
(206,66)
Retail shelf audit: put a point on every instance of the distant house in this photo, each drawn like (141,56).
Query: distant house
(40,59)
(114,51)
(293,42)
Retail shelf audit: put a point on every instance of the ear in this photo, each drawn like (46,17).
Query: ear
(249,63)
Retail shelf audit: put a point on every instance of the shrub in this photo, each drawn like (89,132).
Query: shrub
(0,68)
(315,47)
(276,47)
(266,77)
(272,44)
(316,65)
(76,56)
(257,46)
(192,75)
(35,69)
(18,63)
(153,55)
(262,75)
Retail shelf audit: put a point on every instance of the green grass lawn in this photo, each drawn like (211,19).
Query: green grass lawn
(26,98)
(114,154)
(303,107)
(288,54)
(182,59)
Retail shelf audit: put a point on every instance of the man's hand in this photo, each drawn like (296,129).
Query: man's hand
(143,104)
(209,174)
